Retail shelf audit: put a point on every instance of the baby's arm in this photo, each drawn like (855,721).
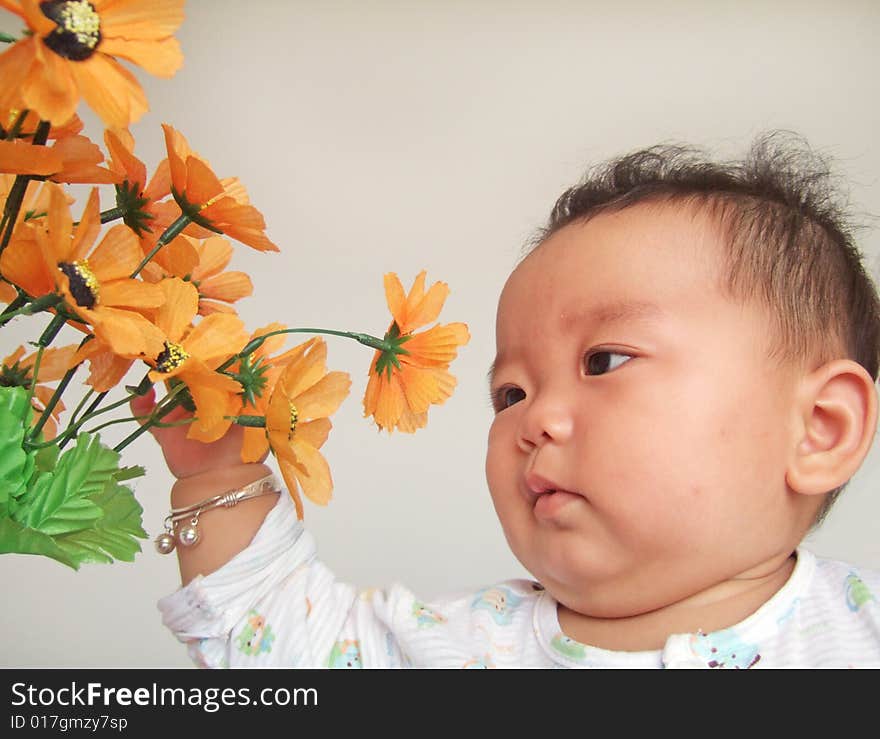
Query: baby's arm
(203,471)
(276,604)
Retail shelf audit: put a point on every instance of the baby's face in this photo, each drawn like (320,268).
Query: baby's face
(626,381)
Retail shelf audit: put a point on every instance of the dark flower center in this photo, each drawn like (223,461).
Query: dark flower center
(83,283)
(79,28)
(171,357)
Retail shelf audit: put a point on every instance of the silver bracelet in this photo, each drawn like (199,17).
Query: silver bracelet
(189,535)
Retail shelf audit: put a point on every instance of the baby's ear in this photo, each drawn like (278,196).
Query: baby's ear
(837,410)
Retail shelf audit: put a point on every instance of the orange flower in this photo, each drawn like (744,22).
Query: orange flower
(297,422)
(137,198)
(69,52)
(17,371)
(216,287)
(407,380)
(258,374)
(191,354)
(221,206)
(72,159)
(93,283)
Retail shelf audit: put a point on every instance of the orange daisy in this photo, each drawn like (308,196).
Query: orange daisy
(406,380)
(258,374)
(17,371)
(94,283)
(221,206)
(191,355)
(72,159)
(137,198)
(297,422)
(69,51)
(217,288)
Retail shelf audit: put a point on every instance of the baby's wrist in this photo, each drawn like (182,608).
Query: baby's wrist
(195,488)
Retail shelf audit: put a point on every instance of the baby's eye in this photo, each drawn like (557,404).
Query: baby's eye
(598,363)
(504,397)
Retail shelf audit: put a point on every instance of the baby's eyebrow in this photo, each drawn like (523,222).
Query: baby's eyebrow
(616,311)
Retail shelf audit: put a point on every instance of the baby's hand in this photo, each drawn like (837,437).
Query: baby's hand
(187,457)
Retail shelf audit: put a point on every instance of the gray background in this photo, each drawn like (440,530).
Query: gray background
(397,136)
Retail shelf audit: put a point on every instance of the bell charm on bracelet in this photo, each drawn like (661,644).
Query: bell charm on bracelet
(189,535)
(165,541)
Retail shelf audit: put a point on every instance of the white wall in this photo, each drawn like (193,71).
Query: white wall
(396,136)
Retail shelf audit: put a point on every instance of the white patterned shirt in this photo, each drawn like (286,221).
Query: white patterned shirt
(276,605)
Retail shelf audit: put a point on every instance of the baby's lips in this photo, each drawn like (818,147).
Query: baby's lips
(539,484)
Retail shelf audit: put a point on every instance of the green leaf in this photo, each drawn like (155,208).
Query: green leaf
(16,465)
(113,535)
(75,508)
(16,539)
(57,506)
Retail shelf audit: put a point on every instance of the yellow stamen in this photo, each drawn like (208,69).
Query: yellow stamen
(171,357)
(294,417)
(81,19)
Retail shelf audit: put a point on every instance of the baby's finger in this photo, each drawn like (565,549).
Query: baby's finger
(142,405)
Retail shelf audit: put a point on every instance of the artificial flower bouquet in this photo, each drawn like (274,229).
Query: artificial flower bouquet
(140,286)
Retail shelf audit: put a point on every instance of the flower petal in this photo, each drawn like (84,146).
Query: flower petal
(180,307)
(313,473)
(15,67)
(437,346)
(214,255)
(23,263)
(254,445)
(80,162)
(111,90)
(139,19)
(127,333)
(229,286)
(89,225)
(313,433)
(161,57)
(118,254)
(217,336)
(307,365)
(131,294)
(120,146)
(50,88)
(16,158)
(288,472)
(324,397)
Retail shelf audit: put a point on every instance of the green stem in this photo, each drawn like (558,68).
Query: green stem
(173,230)
(5,38)
(15,132)
(111,215)
(53,401)
(55,325)
(35,306)
(162,409)
(256,343)
(18,189)
(17,302)
(252,421)
(126,419)
(34,375)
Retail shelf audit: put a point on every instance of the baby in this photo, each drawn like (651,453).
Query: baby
(684,382)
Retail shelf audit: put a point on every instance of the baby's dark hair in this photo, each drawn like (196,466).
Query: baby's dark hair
(788,236)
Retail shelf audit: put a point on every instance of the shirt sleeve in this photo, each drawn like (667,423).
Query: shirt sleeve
(276,605)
